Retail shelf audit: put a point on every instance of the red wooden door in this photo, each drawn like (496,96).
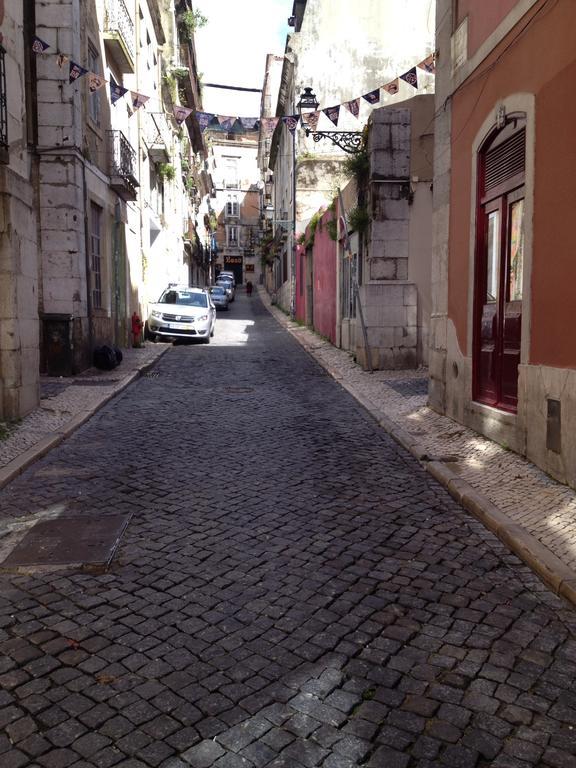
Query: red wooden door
(499,273)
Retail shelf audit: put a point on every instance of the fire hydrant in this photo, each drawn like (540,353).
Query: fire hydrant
(137,326)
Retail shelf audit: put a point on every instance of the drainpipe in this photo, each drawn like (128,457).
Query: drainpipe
(88,265)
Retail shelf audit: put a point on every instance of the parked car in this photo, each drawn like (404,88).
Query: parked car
(226,273)
(219,297)
(182,312)
(228,284)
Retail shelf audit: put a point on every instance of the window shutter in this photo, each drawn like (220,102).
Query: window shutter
(505,160)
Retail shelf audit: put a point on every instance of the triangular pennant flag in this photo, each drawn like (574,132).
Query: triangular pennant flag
(116,92)
(138,99)
(204,119)
(62,59)
(269,124)
(353,106)
(181,113)
(392,87)
(95,82)
(226,121)
(411,77)
(38,45)
(428,64)
(332,113)
(291,122)
(250,123)
(75,71)
(310,120)
(372,97)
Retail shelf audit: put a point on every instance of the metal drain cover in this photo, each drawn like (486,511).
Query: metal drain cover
(69,541)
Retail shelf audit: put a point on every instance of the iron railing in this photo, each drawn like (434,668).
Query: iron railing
(122,158)
(117,20)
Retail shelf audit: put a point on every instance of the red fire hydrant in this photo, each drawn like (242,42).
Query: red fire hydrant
(137,326)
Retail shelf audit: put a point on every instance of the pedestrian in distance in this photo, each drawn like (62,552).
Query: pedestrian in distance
(249,288)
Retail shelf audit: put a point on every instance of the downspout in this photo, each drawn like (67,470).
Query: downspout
(88,266)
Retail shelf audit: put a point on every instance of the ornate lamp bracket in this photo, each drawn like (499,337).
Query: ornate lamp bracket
(348,141)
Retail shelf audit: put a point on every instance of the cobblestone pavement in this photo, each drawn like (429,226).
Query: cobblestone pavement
(293,589)
(542,506)
(62,398)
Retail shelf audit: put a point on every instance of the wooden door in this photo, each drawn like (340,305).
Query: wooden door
(499,274)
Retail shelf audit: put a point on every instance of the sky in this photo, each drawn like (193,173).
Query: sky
(231,49)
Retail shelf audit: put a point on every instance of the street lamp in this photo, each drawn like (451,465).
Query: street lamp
(348,141)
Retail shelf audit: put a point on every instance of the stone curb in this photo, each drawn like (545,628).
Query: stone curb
(15,467)
(549,568)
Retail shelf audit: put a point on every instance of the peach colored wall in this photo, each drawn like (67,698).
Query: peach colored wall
(483,18)
(551,79)
(325,280)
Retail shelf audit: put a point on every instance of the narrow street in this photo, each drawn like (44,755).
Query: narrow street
(291,590)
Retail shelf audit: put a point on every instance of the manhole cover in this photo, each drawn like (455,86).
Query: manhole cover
(69,541)
(151,374)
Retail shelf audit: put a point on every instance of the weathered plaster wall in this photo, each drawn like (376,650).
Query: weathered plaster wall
(324,280)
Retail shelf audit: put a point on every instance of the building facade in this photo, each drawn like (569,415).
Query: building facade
(101,193)
(502,360)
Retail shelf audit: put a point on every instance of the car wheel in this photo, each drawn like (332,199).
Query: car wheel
(206,340)
(212,332)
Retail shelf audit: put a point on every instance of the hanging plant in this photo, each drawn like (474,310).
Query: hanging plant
(166,171)
(358,166)
(190,21)
(311,229)
(359,219)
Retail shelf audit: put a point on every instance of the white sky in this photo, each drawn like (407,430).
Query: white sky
(231,49)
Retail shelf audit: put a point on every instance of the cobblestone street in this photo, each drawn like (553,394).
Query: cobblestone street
(292,590)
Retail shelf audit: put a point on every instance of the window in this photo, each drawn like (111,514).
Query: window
(156,190)
(232,235)
(231,173)
(232,206)
(94,108)
(96,254)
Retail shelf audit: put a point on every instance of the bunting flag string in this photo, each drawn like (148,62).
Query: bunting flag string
(332,113)
(233,123)
(38,45)
(353,106)
(410,77)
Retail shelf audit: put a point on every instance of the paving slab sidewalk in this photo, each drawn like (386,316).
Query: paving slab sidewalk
(65,404)
(532,514)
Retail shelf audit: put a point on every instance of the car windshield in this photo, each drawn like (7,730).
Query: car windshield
(184,298)
(224,281)
(217,290)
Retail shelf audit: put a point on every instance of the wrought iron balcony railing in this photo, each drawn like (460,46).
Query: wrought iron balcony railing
(122,165)
(119,33)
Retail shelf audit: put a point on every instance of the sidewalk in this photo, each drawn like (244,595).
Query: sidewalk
(65,404)
(531,513)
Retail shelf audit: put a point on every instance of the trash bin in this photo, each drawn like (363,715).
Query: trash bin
(57,344)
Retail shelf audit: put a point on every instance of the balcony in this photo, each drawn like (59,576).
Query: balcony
(119,35)
(122,166)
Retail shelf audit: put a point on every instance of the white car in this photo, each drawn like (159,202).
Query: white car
(182,312)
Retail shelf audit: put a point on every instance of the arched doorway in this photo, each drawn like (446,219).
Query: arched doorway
(498,287)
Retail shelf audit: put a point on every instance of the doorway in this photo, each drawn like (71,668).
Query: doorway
(498,289)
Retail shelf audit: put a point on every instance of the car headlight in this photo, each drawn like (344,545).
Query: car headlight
(202,318)
(154,313)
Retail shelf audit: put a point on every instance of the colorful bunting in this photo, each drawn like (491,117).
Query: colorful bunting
(353,106)
(38,45)
(428,64)
(75,71)
(310,120)
(372,97)
(226,121)
(392,87)
(204,119)
(95,82)
(138,99)
(410,77)
(116,92)
(291,122)
(250,123)
(269,125)
(332,113)
(62,59)
(181,113)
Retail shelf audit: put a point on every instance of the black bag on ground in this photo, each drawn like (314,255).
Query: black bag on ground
(105,358)
(119,355)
